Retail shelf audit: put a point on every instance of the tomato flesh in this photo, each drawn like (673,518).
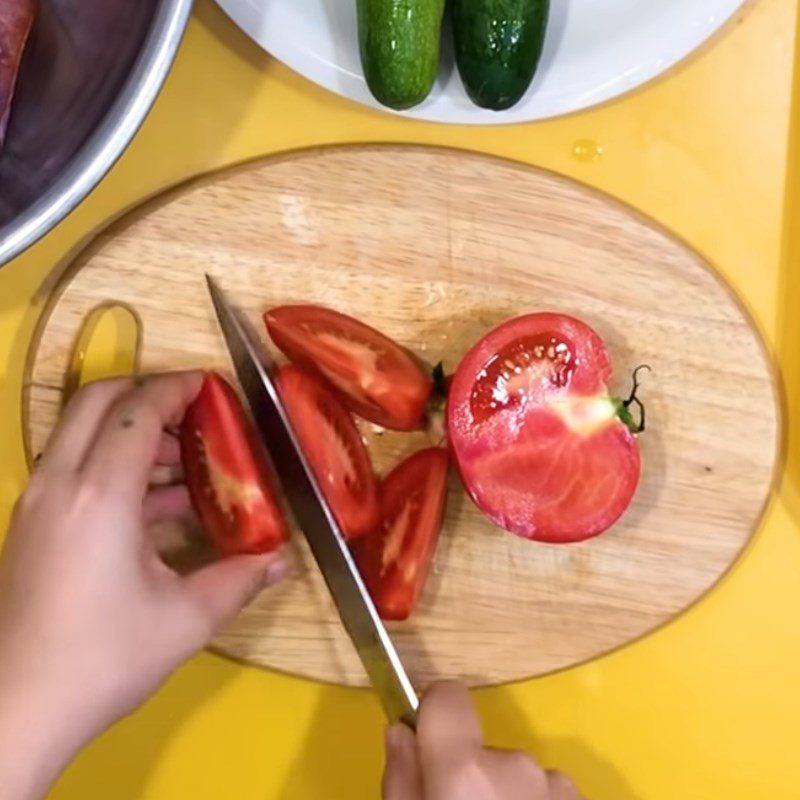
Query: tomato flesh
(395,561)
(535,436)
(377,379)
(227,474)
(527,369)
(334,449)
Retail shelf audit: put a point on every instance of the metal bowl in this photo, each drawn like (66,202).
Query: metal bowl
(91,71)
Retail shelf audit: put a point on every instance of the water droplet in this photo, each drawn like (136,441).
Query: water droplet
(587,150)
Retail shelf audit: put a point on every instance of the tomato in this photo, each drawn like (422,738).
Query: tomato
(333,446)
(378,379)
(537,439)
(395,561)
(227,473)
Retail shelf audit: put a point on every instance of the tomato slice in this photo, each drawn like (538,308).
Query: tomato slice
(536,437)
(395,562)
(227,473)
(378,379)
(333,446)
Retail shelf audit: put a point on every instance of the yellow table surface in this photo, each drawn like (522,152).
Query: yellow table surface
(704,709)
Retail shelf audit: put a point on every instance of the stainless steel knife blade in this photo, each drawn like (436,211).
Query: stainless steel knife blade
(313,514)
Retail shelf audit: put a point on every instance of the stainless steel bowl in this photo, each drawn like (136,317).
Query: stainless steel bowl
(90,74)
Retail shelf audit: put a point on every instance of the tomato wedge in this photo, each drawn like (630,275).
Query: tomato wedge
(227,473)
(395,561)
(540,445)
(334,449)
(378,379)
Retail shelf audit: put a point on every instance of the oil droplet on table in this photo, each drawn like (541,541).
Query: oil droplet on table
(587,150)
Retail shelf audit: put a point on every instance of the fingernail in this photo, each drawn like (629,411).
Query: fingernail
(276,571)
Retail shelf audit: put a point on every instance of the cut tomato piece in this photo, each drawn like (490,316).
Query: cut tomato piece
(227,473)
(395,562)
(378,379)
(333,446)
(538,441)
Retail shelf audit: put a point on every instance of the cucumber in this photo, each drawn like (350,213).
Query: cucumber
(399,42)
(498,44)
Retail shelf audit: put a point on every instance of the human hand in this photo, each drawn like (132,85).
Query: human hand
(447,760)
(91,620)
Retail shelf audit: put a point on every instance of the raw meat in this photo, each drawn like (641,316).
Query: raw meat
(16,19)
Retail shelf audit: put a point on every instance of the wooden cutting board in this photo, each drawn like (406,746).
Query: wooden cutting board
(434,247)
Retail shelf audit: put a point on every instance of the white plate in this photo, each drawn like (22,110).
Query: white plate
(595,50)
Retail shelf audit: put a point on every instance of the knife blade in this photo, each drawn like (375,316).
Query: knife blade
(314,516)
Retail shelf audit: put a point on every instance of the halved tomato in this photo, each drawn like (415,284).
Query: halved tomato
(395,562)
(540,445)
(227,473)
(333,446)
(378,379)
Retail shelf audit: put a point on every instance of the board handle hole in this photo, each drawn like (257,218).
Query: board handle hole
(108,345)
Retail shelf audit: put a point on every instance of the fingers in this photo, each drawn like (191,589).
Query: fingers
(168,467)
(169,450)
(166,502)
(128,442)
(448,727)
(455,763)
(72,438)
(561,787)
(514,775)
(402,778)
(222,589)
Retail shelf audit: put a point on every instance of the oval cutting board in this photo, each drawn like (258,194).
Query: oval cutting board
(434,247)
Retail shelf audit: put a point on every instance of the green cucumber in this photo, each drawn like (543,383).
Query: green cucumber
(498,44)
(399,42)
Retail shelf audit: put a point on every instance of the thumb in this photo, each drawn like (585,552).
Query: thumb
(223,588)
(448,726)
(402,779)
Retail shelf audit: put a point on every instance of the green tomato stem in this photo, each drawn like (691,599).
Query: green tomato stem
(623,406)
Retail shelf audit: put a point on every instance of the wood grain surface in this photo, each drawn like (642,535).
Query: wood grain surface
(434,247)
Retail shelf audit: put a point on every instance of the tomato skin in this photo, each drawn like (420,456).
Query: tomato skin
(534,434)
(333,446)
(396,560)
(376,378)
(227,473)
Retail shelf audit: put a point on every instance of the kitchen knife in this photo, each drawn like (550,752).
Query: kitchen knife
(314,516)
